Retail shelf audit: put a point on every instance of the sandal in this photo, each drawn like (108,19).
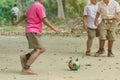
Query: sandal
(110,54)
(87,53)
(99,52)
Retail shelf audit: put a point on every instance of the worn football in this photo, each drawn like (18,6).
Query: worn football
(74,64)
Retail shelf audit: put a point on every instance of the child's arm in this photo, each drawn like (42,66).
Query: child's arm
(84,22)
(96,18)
(20,20)
(118,16)
(46,22)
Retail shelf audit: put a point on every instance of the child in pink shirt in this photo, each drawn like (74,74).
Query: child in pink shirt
(35,16)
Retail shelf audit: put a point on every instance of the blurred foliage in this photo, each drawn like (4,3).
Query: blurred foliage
(5,11)
(72,9)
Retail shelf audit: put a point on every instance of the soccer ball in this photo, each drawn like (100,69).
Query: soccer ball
(74,64)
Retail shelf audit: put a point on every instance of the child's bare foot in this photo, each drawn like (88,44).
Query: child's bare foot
(28,71)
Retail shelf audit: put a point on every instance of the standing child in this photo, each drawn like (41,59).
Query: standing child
(35,15)
(110,13)
(88,23)
(15,12)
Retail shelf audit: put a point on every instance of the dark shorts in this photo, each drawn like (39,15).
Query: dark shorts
(34,40)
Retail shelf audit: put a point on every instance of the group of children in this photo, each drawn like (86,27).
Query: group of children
(103,18)
(92,23)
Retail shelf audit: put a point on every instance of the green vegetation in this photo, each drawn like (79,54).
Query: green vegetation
(72,9)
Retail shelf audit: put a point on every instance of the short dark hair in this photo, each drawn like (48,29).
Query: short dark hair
(15,4)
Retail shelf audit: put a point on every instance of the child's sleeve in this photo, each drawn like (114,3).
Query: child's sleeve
(85,11)
(117,7)
(41,12)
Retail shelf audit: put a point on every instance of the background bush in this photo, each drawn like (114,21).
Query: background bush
(72,9)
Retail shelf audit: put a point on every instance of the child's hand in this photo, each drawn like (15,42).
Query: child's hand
(96,22)
(57,31)
(84,27)
(15,23)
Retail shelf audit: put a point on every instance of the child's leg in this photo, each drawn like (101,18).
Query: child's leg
(34,56)
(25,57)
(31,59)
(91,35)
(101,48)
(34,43)
(89,43)
(110,45)
(102,43)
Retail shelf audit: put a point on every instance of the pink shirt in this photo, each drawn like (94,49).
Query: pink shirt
(35,13)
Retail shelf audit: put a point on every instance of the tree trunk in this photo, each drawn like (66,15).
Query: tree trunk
(64,4)
(60,9)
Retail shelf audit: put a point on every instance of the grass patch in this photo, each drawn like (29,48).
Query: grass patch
(11,28)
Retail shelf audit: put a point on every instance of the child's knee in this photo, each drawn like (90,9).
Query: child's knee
(43,50)
(40,50)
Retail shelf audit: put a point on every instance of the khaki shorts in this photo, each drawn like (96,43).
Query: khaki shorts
(107,30)
(33,41)
(91,32)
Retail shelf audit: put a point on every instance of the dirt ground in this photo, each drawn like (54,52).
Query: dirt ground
(53,64)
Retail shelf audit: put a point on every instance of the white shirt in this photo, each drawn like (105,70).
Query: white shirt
(15,10)
(108,11)
(90,11)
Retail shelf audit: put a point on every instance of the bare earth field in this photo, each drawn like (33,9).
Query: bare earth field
(52,65)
